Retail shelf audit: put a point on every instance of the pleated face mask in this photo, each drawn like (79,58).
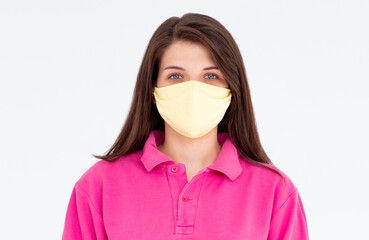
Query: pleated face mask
(192,108)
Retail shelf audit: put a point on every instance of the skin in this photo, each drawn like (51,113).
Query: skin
(195,153)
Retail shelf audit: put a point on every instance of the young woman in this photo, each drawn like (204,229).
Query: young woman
(188,163)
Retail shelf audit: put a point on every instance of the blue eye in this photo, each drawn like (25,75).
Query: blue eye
(174,75)
(212,75)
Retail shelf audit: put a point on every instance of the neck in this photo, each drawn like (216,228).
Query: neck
(195,153)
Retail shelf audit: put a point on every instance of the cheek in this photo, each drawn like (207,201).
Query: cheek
(225,84)
(162,83)
(159,79)
(159,82)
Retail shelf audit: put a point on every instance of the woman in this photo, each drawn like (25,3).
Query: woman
(188,163)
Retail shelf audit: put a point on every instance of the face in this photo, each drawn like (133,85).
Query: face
(185,61)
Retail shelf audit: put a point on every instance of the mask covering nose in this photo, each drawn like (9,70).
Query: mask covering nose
(192,108)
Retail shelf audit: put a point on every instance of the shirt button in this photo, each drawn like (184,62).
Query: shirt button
(174,169)
(184,198)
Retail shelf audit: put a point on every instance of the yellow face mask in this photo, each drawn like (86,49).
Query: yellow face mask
(192,108)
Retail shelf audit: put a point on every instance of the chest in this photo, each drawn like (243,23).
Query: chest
(177,204)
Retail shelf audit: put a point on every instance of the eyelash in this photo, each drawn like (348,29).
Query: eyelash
(169,77)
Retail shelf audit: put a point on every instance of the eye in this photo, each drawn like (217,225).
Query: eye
(212,76)
(176,76)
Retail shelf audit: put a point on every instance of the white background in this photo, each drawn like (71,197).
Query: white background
(68,69)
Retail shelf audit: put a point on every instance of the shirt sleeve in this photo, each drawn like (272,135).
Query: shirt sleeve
(83,220)
(288,222)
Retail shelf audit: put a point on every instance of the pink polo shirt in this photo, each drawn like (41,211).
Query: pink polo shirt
(146,195)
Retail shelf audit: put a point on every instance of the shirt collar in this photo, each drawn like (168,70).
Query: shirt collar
(226,162)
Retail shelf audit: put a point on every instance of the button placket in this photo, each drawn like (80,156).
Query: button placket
(185,195)
(176,180)
(187,206)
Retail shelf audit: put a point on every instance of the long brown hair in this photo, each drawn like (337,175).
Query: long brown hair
(238,121)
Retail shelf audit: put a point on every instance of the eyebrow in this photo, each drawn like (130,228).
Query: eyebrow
(176,67)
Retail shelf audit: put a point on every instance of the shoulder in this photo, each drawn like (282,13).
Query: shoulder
(276,182)
(102,172)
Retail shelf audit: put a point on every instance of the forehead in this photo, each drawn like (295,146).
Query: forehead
(186,53)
